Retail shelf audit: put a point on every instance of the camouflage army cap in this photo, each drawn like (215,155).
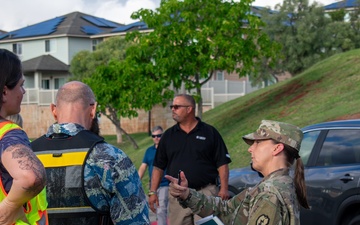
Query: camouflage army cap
(282,132)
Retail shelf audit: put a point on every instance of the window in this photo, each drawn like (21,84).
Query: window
(50,45)
(47,45)
(219,75)
(17,48)
(307,145)
(95,42)
(58,82)
(45,84)
(340,147)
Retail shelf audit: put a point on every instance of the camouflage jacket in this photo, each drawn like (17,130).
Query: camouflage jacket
(271,202)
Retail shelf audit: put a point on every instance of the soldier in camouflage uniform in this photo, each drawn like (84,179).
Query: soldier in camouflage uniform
(274,147)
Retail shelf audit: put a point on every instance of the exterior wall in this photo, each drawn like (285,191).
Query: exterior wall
(37,119)
(33,48)
(233,77)
(61,51)
(64,49)
(76,45)
(7,46)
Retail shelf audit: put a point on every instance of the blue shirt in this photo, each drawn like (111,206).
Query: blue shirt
(149,159)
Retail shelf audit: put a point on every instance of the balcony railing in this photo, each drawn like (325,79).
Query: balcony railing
(39,96)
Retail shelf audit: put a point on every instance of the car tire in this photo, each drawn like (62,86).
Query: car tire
(355,220)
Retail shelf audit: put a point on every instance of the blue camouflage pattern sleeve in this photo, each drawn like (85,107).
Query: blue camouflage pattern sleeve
(111,182)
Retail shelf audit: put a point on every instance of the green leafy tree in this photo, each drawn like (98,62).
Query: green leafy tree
(299,28)
(355,24)
(84,63)
(192,39)
(121,89)
(340,37)
(338,15)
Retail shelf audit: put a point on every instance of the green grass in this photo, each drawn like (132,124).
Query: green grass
(330,90)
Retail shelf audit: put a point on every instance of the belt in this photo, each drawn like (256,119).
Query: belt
(202,187)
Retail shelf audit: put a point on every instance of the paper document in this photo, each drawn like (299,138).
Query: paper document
(209,220)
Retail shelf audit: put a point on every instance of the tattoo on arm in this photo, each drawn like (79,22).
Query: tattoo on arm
(28,161)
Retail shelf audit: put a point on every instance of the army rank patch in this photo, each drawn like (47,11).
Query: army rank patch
(263,220)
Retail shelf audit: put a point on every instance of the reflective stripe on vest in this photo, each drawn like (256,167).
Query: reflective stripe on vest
(36,207)
(62,158)
(6,126)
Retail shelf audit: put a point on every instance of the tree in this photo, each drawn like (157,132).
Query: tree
(299,28)
(355,24)
(84,63)
(121,89)
(192,39)
(337,15)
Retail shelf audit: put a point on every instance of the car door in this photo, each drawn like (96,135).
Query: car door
(332,172)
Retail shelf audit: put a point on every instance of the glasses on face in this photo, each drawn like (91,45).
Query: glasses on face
(176,107)
(156,135)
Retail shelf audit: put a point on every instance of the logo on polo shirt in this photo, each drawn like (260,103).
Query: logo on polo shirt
(201,138)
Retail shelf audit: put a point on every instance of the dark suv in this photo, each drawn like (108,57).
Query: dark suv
(331,155)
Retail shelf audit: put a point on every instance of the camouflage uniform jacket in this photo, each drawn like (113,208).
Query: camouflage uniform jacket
(111,181)
(271,202)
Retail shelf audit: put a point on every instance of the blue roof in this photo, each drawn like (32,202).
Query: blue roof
(43,28)
(99,21)
(139,25)
(75,23)
(342,4)
(90,30)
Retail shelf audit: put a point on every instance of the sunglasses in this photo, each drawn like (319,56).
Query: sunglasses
(178,106)
(156,135)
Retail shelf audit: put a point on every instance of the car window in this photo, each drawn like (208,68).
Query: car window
(307,145)
(340,147)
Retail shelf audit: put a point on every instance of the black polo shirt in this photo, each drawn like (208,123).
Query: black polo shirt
(198,153)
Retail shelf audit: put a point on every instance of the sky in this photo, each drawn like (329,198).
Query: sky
(16,14)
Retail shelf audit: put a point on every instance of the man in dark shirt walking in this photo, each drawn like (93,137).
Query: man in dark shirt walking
(195,148)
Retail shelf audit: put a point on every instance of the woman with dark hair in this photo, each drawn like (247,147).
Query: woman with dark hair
(274,147)
(22,193)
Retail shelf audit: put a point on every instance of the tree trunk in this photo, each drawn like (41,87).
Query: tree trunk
(132,140)
(119,131)
(118,135)
(200,102)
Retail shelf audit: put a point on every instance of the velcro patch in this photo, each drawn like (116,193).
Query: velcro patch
(263,220)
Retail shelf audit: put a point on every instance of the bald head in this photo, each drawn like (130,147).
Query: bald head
(75,92)
(75,103)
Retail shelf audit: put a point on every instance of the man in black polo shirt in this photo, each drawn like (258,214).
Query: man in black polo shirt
(195,148)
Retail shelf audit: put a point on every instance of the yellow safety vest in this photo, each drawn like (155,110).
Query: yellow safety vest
(35,210)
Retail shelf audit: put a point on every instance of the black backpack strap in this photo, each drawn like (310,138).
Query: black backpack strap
(83,139)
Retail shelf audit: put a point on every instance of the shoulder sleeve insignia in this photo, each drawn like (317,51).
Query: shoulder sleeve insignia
(263,220)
